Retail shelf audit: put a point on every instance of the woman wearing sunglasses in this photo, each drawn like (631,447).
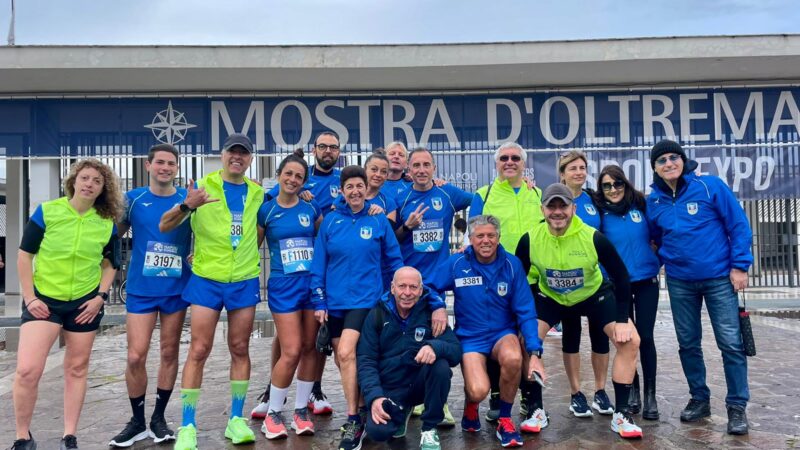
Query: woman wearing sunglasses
(624,224)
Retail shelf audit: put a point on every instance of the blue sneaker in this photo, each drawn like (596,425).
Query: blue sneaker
(579,406)
(602,404)
(507,433)
(472,425)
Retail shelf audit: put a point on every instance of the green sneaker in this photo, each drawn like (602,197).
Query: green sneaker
(238,431)
(401,431)
(187,438)
(448,420)
(418,410)
(429,440)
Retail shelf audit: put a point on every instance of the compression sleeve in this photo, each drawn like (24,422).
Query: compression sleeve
(523,252)
(112,251)
(32,237)
(609,258)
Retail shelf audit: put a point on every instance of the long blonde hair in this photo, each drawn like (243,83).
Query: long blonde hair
(108,204)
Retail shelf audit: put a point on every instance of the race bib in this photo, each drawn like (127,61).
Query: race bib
(162,260)
(564,281)
(236,229)
(296,254)
(429,236)
(469,281)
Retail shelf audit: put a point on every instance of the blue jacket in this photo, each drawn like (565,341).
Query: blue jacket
(346,269)
(489,298)
(587,211)
(388,345)
(324,186)
(630,234)
(703,230)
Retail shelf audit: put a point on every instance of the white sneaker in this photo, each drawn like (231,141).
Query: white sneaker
(260,411)
(624,425)
(318,404)
(535,422)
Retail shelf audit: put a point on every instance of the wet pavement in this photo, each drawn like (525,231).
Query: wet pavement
(774,411)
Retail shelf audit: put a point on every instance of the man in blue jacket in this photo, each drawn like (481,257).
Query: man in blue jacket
(397,347)
(705,248)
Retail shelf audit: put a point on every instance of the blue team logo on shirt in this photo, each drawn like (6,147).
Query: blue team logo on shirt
(502,289)
(419,334)
(366,232)
(636,216)
(590,209)
(305,220)
(334,191)
(437,204)
(692,208)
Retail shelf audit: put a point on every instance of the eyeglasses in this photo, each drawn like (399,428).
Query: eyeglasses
(616,185)
(326,147)
(505,158)
(671,158)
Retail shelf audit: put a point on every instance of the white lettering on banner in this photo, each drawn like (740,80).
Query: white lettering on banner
(438,108)
(755,102)
(573,120)
(389,124)
(363,119)
(591,139)
(277,129)
(255,114)
(624,115)
(687,116)
(649,119)
(743,168)
(784,101)
(331,123)
(491,120)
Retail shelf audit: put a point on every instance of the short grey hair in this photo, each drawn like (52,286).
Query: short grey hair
(522,153)
(396,144)
(485,219)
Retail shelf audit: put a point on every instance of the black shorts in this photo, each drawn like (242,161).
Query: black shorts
(600,308)
(65,312)
(353,319)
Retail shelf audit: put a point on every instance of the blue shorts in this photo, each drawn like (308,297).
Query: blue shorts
(215,295)
(138,304)
(289,294)
(484,344)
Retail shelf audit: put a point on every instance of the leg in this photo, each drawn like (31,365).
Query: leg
(600,359)
(139,329)
(169,345)
(437,378)
(570,346)
(476,381)
(346,360)
(307,368)
(507,353)
(686,302)
(645,302)
(76,369)
(290,345)
(35,340)
(203,326)
(240,327)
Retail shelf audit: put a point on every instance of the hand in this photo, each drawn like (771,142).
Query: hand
(415,218)
(623,332)
(379,416)
(190,258)
(37,308)
(530,183)
(739,279)
(425,355)
(90,310)
(306,195)
(535,365)
(438,321)
(196,198)
(439,182)
(374,210)
(321,316)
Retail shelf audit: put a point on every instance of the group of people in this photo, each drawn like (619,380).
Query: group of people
(366,254)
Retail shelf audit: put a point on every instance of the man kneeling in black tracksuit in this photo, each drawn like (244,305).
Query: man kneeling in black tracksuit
(401,364)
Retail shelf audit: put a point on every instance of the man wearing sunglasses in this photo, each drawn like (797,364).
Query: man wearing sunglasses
(705,247)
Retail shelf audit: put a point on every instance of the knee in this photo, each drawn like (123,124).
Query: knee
(307,347)
(29,375)
(169,353)
(347,355)
(511,361)
(136,359)
(199,350)
(239,348)
(476,392)
(441,370)
(291,354)
(76,369)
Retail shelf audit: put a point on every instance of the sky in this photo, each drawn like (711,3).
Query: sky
(293,22)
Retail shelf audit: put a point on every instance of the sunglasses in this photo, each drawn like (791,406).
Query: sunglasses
(671,158)
(615,185)
(505,158)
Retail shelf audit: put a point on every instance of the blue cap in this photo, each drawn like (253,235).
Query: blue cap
(238,139)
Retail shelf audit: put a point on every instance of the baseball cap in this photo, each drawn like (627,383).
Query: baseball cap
(557,190)
(238,139)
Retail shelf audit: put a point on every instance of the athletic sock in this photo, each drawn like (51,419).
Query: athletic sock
(137,405)
(621,393)
(189,400)
(162,398)
(276,398)
(303,392)
(471,410)
(238,395)
(505,408)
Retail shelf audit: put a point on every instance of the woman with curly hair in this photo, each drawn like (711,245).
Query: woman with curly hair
(74,243)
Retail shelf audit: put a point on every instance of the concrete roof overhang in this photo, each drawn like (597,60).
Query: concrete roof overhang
(374,69)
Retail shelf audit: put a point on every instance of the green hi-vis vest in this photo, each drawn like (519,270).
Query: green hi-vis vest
(68,264)
(517,212)
(214,256)
(568,269)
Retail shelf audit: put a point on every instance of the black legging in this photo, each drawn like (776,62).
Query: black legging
(643,313)
(571,336)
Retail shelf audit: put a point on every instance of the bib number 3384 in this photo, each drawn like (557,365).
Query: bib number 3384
(565,281)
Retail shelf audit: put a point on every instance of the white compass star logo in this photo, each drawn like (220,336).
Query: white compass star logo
(169,126)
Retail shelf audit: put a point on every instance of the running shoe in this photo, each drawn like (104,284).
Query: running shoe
(448,420)
(507,433)
(187,438)
(318,403)
(69,442)
(238,431)
(24,444)
(579,406)
(494,407)
(352,435)
(301,423)
(602,404)
(429,440)
(159,430)
(623,424)
(535,422)
(273,427)
(261,410)
(471,424)
(133,432)
(556,331)
(418,410)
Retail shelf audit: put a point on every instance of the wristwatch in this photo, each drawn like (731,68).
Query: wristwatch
(103,295)
(537,353)
(186,209)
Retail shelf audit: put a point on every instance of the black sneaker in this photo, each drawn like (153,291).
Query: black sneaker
(159,430)
(69,442)
(24,444)
(579,406)
(695,410)
(352,435)
(134,431)
(494,407)
(737,420)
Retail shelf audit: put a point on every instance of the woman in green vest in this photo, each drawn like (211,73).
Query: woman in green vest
(74,244)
